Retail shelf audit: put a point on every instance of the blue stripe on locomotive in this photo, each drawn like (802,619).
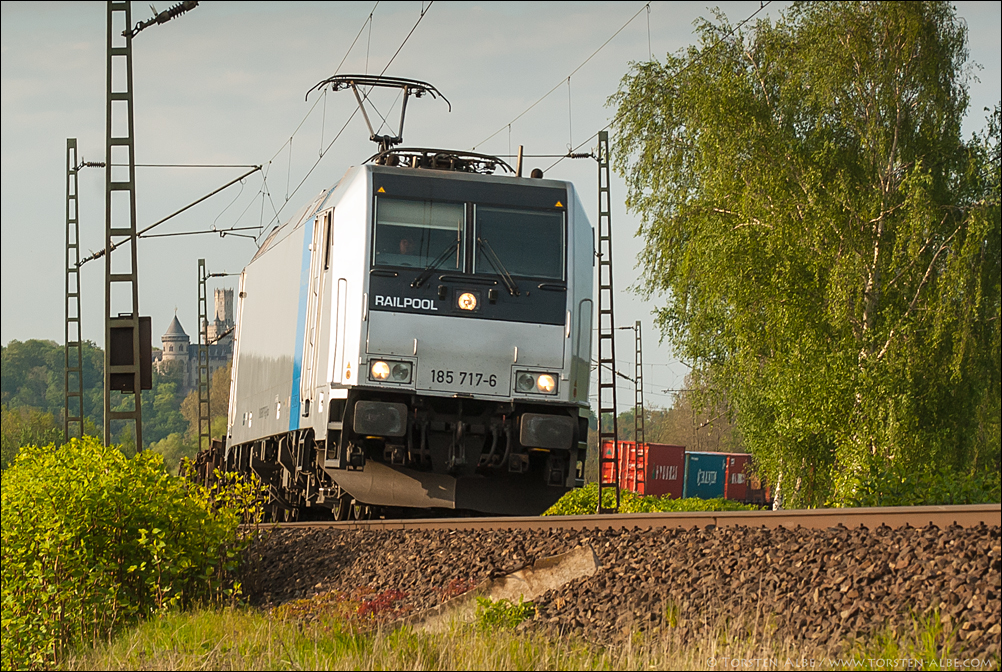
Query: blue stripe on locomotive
(304,298)
(304,295)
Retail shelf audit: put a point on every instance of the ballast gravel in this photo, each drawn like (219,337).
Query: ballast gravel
(822,586)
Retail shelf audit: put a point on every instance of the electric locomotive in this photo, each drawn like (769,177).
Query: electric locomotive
(417,336)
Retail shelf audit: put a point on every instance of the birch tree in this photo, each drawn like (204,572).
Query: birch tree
(821,239)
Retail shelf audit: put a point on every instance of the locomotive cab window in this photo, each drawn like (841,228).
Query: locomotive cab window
(416,233)
(528,243)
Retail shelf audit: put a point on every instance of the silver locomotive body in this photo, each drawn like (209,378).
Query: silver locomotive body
(417,338)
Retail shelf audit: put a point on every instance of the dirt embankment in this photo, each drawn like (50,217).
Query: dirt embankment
(817,585)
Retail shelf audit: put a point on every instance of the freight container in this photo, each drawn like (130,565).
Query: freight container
(627,464)
(607,468)
(736,481)
(705,474)
(665,469)
(658,470)
(757,491)
(628,476)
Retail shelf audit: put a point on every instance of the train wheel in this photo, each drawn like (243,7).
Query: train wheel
(276,513)
(360,511)
(341,508)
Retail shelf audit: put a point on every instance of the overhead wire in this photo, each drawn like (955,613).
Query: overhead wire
(235,198)
(222,232)
(558,84)
(310,111)
(570,128)
(186,165)
(251,202)
(142,233)
(265,192)
(730,33)
(424,10)
(365,96)
(368,43)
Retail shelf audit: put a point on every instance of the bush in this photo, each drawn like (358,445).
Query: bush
(92,540)
(24,425)
(174,449)
(503,613)
(584,501)
(897,486)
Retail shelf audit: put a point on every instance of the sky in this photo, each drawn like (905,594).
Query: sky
(226,84)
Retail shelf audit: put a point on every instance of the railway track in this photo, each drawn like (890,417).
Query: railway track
(821,577)
(967,515)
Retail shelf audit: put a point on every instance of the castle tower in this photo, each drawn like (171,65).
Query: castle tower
(224,305)
(223,319)
(175,342)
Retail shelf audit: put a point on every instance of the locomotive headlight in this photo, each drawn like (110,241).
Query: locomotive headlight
(524,382)
(467,301)
(379,370)
(535,383)
(394,372)
(546,384)
(401,372)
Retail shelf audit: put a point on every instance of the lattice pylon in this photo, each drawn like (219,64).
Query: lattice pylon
(73,411)
(122,364)
(608,464)
(202,370)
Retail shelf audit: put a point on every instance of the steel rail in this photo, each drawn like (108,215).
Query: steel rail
(964,515)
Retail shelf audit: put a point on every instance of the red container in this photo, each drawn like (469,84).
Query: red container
(658,469)
(736,478)
(665,469)
(625,448)
(758,492)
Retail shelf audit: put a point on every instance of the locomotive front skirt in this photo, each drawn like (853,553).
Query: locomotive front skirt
(417,338)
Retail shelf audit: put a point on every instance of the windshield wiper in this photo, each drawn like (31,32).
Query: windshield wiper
(430,268)
(499,268)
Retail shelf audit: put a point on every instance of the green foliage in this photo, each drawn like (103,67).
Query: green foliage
(584,501)
(924,487)
(92,540)
(33,378)
(503,613)
(254,639)
(162,409)
(828,246)
(22,427)
(219,399)
(173,448)
(926,641)
(699,419)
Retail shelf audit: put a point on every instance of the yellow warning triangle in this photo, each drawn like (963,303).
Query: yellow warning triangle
(381,190)
(558,205)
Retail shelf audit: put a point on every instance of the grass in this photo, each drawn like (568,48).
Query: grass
(243,638)
(345,632)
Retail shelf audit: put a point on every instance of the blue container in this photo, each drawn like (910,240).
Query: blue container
(705,475)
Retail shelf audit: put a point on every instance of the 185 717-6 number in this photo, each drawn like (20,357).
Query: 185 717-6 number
(471,378)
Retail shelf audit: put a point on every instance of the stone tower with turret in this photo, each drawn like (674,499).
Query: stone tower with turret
(177,345)
(176,348)
(223,318)
(175,342)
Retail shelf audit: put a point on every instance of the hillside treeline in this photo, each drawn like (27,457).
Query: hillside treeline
(32,394)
